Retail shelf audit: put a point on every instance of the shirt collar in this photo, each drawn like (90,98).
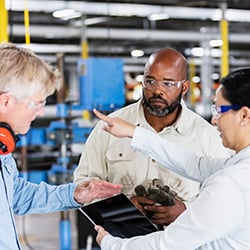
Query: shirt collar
(241,155)
(181,122)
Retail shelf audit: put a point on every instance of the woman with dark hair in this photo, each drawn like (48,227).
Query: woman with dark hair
(220,216)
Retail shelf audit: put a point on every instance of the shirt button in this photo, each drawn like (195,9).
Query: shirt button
(153,160)
(120,154)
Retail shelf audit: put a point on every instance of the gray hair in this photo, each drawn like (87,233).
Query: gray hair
(23,74)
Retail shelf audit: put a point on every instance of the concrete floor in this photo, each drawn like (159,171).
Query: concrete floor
(42,231)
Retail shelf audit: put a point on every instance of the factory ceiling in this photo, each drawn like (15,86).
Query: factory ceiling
(114,28)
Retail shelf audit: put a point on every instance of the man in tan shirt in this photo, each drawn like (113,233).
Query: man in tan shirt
(161,109)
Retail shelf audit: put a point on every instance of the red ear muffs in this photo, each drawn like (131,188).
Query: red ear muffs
(7,139)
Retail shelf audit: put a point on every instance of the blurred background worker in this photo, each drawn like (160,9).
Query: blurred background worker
(161,109)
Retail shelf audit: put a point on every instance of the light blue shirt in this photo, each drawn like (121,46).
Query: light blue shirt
(219,218)
(20,197)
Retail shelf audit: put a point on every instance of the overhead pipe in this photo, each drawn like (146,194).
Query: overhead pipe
(134,34)
(206,82)
(3,22)
(140,10)
(84,41)
(224,38)
(84,55)
(192,69)
(27,23)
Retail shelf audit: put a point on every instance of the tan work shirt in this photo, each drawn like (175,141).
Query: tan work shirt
(109,158)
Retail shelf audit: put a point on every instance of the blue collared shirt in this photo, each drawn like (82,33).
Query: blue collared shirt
(20,197)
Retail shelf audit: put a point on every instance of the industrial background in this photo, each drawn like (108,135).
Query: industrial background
(101,48)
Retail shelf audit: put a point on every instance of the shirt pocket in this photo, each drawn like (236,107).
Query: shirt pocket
(118,154)
(121,162)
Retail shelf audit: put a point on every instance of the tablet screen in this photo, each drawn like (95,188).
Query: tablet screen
(118,216)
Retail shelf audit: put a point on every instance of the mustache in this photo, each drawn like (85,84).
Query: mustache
(157,97)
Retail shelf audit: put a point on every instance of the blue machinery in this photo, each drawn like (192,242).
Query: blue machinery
(101,86)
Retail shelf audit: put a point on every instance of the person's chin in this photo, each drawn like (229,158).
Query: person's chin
(24,131)
(158,104)
(159,108)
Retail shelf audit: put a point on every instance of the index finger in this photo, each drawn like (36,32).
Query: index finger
(103,117)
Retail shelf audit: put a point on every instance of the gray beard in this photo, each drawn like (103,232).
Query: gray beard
(157,111)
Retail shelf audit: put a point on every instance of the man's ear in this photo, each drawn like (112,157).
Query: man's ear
(185,87)
(4,101)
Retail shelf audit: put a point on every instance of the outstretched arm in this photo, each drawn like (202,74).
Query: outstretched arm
(171,155)
(95,189)
(116,126)
(142,141)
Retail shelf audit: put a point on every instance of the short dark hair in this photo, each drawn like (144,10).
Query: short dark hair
(236,87)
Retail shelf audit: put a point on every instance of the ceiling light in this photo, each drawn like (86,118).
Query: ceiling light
(139,78)
(158,16)
(95,20)
(215,76)
(196,79)
(197,51)
(216,43)
(137,53)
(66,14)
(203,29)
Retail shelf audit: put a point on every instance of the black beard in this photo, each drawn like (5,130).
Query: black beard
(156,110)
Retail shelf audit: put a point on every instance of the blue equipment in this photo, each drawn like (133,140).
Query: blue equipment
(101,83)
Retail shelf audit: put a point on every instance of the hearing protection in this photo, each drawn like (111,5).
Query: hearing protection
(7,139)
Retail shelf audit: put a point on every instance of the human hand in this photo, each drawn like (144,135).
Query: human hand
(115,125)
(95,189)
(101,233)
(140,202)
(164,215)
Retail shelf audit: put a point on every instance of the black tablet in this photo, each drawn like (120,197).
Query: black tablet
(118,216)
